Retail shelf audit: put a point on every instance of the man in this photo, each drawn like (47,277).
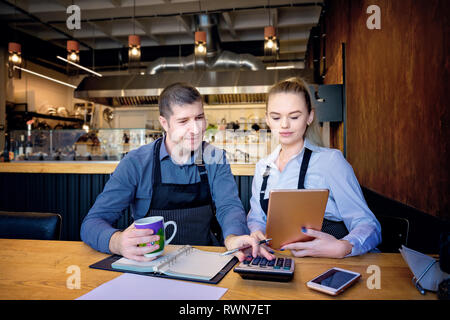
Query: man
(170,178)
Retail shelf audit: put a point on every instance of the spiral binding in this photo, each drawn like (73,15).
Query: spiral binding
(170,261)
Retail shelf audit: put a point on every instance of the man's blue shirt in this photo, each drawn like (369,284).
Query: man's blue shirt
(131,186)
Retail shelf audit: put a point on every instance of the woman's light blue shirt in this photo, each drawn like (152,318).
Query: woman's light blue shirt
(327,169)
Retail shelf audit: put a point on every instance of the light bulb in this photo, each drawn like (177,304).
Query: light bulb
(15,58)
(201,48)
(134,51)
(73,56)
(270,44)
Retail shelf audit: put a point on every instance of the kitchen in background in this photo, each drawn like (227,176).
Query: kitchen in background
(233,59)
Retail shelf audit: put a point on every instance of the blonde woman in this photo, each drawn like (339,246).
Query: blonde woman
(300,161)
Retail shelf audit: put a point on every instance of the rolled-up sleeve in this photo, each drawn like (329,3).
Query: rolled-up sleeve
(118,193)
(229,210)
(364,228)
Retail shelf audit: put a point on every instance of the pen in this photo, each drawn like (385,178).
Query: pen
(246,247)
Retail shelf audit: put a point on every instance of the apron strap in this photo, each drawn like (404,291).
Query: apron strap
(264,183)
(303,168)
(156,162)
(201,166)
(203,172)
(215,228)
(204,179)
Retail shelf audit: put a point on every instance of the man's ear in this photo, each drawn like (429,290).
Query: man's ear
(164,123)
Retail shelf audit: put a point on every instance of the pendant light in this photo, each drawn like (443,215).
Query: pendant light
(200,44)
(14,59)
(134,44)
(134,48)
(73,51)
(15,53)
(270,41)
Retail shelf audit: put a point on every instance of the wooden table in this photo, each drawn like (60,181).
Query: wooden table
(36,269)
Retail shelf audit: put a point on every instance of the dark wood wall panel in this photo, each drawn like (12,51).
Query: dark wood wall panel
(397,97)
(335,26)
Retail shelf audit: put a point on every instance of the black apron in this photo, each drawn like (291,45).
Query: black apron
(335,228)
(189,205)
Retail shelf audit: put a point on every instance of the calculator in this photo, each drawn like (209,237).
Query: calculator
(259,268)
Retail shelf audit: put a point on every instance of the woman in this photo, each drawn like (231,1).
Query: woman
(349,227)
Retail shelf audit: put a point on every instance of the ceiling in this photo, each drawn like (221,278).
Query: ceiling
(170,24)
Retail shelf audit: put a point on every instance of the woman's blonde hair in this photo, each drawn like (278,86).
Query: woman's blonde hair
(299,86)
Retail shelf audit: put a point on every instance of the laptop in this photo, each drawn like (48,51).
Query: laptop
(290,210)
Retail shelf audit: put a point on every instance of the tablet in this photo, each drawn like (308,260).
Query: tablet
(290,210)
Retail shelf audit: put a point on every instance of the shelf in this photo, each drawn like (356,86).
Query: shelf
(46,116)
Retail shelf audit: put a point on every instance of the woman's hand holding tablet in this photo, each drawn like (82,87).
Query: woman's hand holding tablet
(323,245)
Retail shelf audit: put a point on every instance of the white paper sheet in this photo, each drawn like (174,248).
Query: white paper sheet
(137,287)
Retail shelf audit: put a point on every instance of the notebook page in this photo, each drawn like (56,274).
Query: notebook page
(140,266)
(197,264)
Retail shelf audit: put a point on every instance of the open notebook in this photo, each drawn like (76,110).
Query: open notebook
(179,262)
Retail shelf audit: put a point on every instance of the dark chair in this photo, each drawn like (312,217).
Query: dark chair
(403,224)
(394,233)
(30,225)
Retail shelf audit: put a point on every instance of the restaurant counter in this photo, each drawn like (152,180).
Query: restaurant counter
(90,167)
